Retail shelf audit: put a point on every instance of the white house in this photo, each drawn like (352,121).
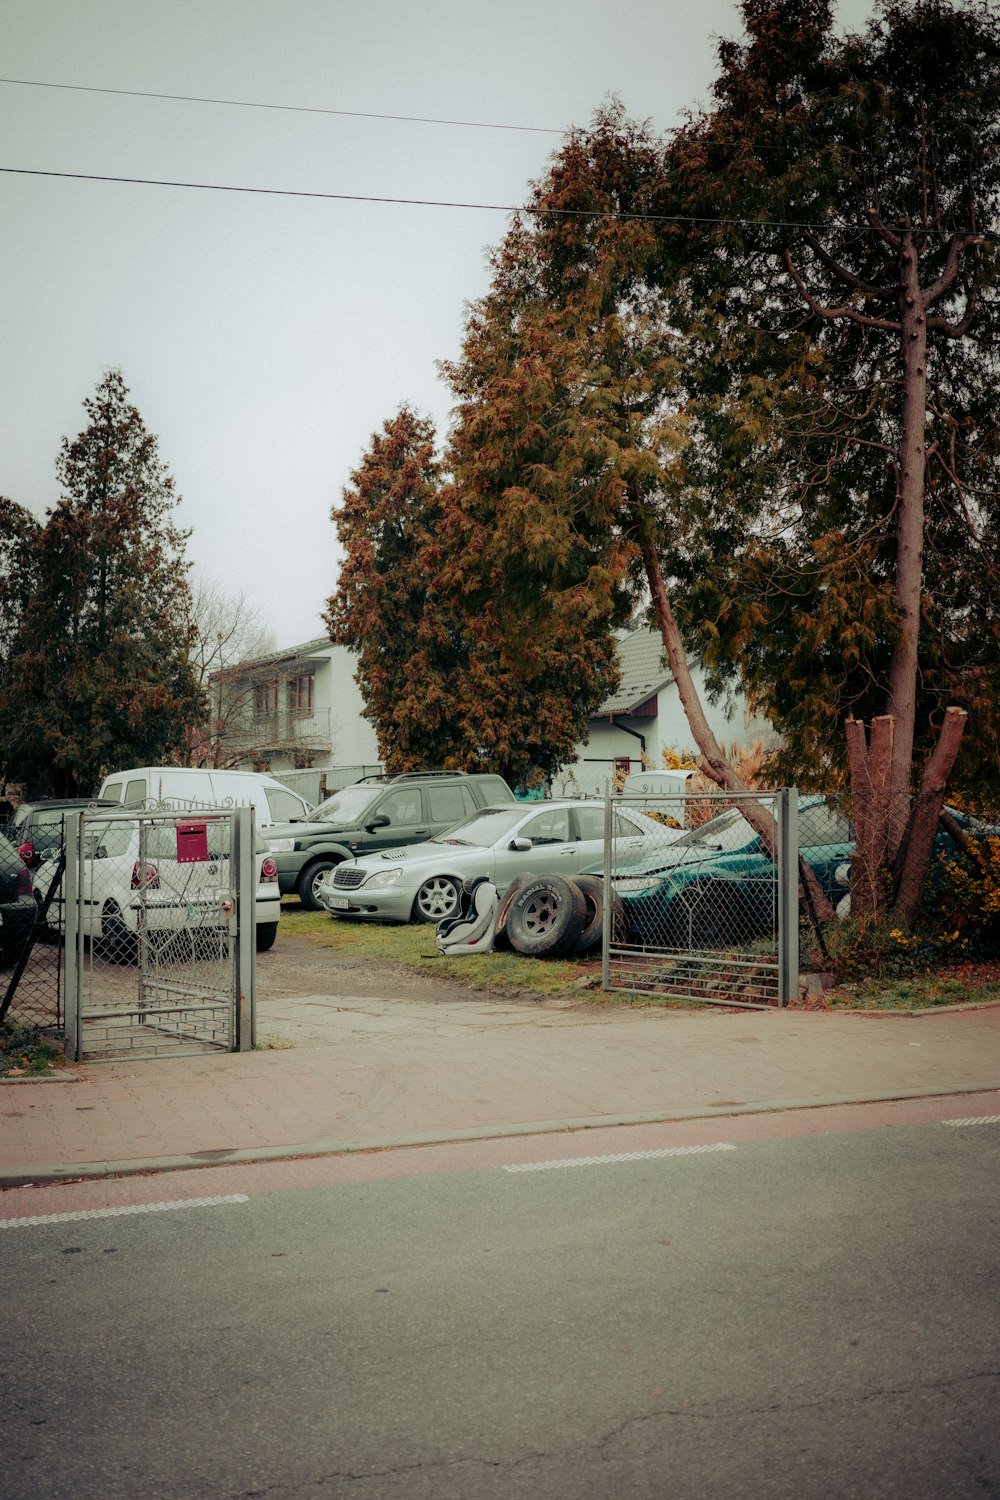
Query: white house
(294,712)
(298,713)
(645,717)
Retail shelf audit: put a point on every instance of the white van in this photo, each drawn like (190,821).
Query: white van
(664,789)
(183,787)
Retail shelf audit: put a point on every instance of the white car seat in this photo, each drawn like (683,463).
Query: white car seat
(474,929)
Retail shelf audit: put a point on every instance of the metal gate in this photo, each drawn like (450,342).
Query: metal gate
(159,922)
(707,911)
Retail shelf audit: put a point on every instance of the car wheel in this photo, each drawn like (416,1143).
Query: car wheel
(437,899)
(592,935)
(308,886)
(118,945)
(546,917)
(266,934)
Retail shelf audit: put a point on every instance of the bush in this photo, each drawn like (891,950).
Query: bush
(24,1048)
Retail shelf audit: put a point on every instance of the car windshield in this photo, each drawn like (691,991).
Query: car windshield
(729,830)
(483,829)
(346,806)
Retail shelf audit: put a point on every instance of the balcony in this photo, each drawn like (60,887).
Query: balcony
(283,731)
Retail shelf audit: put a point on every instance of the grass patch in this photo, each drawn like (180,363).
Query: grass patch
(964,985)
(25,1050)
(412,947)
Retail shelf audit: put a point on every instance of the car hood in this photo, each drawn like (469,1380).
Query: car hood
(303,829)
(413,856)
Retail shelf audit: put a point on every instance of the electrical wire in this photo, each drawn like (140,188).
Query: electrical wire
(504,208)
(299,109)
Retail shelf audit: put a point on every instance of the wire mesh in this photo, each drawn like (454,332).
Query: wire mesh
(152,933)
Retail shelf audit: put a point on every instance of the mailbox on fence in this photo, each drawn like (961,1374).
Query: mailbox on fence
(192,843)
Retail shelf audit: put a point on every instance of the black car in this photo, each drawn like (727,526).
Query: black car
(380,812)
(17,903)
(37,828)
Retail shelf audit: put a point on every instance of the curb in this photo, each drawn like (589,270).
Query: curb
(242,1156)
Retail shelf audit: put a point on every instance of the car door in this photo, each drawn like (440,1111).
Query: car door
(630,838)
(405,810)
(555,848)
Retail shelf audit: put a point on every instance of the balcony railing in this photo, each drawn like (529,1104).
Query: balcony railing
(306,731)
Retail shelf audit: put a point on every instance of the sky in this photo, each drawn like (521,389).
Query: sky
(265,338)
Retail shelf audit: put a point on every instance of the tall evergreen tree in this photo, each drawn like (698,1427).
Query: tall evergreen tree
(98,674)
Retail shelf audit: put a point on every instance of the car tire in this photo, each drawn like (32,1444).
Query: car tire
(438,898)
(501,937)
(266,934)
(546,917)
(309,880)
(117,943)
(592,936)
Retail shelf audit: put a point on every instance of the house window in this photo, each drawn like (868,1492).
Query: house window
(265,700)
(300,696)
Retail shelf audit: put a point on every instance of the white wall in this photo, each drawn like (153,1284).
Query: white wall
(594,762)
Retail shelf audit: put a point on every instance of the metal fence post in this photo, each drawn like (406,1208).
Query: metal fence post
(73,931)
(788,895)
(245,1035)
(609,891)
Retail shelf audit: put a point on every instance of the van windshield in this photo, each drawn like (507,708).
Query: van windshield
(346,807)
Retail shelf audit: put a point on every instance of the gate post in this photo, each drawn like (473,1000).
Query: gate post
(73,930)
(788,895)
(245,1034)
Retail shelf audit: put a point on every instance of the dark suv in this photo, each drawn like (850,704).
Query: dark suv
(378,813)
(37,828)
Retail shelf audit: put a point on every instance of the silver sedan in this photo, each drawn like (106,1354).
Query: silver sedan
(423,882)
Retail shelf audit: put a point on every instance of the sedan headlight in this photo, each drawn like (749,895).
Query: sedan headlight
(281,846)
(381,879)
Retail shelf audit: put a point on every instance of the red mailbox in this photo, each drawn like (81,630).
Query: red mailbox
(192,843)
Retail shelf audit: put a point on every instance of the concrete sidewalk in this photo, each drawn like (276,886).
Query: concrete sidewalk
(391,1072)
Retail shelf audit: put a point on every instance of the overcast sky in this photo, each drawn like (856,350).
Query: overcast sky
(265,338)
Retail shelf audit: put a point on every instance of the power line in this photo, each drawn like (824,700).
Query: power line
(299,109)
(503,208)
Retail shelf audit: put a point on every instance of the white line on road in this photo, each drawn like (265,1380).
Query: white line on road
(126,1208)
(975,1120)
(594,1161)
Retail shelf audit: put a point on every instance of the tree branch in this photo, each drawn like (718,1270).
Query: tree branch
(844,311)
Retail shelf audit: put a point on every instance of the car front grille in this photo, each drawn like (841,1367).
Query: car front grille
(348,875)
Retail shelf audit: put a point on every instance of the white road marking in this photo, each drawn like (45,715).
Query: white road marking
(594,1161)
(975,1120)
(126,1208)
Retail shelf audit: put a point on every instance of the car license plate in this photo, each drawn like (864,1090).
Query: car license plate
(340,902)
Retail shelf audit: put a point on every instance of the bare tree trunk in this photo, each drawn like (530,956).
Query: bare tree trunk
(713,761)
(904,666)
(916,852)
(871,774)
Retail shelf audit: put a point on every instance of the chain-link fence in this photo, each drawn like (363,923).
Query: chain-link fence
(719,909)
(32,982)
(153,904)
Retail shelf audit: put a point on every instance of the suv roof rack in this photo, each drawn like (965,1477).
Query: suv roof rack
(410,775)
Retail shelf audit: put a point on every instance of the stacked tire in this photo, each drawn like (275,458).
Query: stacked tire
(549,916)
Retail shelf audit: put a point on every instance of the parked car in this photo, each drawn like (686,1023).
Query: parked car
(716,885)
(380,812)
(118,885)
(198,788)
(37,829)
(424,883)
(17,904)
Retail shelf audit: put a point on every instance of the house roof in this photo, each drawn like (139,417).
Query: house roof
(640,656)
(319,649)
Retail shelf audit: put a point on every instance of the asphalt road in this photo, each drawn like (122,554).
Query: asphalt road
(814,1316)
